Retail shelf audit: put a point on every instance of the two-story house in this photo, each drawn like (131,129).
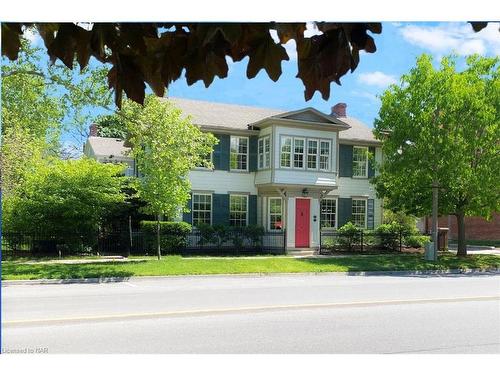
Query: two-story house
(298,170)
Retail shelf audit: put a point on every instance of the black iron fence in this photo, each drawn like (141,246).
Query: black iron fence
(15,245)
(360,241)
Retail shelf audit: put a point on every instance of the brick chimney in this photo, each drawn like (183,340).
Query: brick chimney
(93,130)
(339,110)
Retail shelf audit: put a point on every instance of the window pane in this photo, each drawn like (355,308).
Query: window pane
(267,150)
(275,214)
(328,213)
(238,210)
(202,208)
(324,159)
(298,153)
(312,154)
(359,212)
(360,161)
(239,153)
(286,152)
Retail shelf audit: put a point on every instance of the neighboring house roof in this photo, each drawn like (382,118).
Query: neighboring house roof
(108,146)
(232,116)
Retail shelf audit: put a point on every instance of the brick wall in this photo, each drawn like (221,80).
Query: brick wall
(476,228)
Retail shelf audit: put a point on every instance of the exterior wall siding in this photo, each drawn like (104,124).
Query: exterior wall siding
(222,181)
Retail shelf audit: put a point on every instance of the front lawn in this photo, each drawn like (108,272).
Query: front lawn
(176,265)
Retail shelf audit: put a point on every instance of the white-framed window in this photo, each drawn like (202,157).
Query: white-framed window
(238,210)
(264,152)
(239,153)
(359,212)
(359,161)
(275,213)
(202,209)
(286,152)
(324,155)
(312,154)
(298,152)
(208,158)
(329,213)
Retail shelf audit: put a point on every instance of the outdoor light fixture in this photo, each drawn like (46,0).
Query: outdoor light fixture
(305,192)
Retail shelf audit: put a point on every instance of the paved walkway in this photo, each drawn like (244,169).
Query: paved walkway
(491,250)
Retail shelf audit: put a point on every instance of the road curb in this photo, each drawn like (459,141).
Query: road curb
(246,275)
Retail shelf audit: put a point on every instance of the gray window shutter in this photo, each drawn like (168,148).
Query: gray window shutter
(188,216)
(345,161)
(220,209)
(252,210)
(253,153)
(370,214)
(371,162)
(221,152)
(345,211)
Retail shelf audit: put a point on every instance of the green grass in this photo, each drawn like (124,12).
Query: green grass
(176,265)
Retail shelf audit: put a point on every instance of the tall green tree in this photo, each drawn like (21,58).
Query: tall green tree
(442,125)
(165,146)
(40,102)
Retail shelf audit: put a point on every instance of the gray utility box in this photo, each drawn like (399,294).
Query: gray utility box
(429,251)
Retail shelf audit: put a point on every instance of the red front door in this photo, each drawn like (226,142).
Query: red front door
(302,222)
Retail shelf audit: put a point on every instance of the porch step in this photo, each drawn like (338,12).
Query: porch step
(301,252)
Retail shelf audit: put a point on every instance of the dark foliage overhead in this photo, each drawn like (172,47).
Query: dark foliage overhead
(157,53)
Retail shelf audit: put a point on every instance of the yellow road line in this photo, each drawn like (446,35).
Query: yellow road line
(165,314)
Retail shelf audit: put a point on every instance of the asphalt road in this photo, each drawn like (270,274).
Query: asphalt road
(272,314)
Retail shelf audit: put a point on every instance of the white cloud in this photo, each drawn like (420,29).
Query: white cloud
(454,37)
(377,78)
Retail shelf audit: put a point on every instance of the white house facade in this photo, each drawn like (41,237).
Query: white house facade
(295,171)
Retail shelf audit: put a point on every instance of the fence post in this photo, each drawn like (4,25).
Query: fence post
(362,240)
(284,241)
(320,238)
(400,241)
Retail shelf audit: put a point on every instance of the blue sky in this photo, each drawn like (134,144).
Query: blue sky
(397,48)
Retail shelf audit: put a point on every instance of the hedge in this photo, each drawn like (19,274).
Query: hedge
(172,234)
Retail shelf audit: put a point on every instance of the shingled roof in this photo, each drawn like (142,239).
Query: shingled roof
(232,116)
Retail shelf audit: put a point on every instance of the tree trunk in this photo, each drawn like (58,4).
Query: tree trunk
(462,246)
(158,236)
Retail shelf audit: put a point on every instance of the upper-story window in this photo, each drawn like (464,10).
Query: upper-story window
(298,152)
(312,154)
(286,152)
(305,153)
(359,161)
(205,161)
(264,148)
(324,155)
(239,153)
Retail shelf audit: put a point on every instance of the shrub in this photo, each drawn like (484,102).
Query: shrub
(175,228)
(238,236)
(172,234)
(254,234)
(388,235)
(416,241)
(348,236)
